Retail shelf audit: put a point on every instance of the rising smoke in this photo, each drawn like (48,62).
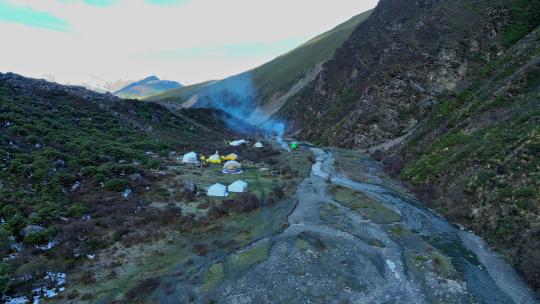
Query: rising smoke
(237,96)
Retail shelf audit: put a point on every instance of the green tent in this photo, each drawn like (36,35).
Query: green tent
(294,146)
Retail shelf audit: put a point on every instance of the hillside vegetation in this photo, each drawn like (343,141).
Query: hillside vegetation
(390,72)
(66,158)
(476,158)
(91,185)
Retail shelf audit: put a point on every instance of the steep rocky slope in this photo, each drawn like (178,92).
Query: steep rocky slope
(387,75)
(476,158)
(453,91)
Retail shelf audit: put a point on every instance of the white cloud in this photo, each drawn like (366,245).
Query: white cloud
(117,41)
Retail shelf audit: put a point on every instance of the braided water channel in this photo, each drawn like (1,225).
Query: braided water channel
(382,246)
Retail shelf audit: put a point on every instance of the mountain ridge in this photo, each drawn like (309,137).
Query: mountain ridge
(146,87)
(271,81)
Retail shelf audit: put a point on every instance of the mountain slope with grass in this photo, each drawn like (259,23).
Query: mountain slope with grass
(91,185)
(74,166)
(146,87)
(476,158)
(271,84)
(450,89)
(388,74)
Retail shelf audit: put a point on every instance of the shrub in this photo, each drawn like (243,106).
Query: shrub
(99,177)
(5,277)
(65,179)
(524,17)
(5,234)
(116,184)
(37,238)
(76,210)
(216,211)
(278,192)
(89,171)
(143,287)
(525,192)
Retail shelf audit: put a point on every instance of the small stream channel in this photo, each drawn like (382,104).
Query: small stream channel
(489,278)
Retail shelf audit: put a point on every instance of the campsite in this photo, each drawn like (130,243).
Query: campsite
(265,170)
(272,176)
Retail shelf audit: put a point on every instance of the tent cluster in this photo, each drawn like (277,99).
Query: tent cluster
(220,190)
(217,159)
(231,166)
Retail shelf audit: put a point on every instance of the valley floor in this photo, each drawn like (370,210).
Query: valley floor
(348,235)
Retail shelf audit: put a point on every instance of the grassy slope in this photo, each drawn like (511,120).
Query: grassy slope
(280,74)
(477,158)
(142,91)
(180,93)
(54,140)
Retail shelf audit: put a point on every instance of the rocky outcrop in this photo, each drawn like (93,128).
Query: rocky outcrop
(444,87)
(476,157)
(385,78)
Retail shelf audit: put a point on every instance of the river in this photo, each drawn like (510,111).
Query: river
(388,248)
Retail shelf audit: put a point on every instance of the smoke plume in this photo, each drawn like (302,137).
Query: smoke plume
(237,96)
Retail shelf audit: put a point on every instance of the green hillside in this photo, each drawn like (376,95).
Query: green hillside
(63,156)
(280,74)
(180,93)
(478,155)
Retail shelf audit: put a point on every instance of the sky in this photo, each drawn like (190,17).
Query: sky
(190,41)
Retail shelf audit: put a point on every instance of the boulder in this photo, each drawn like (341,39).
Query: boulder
(32,229)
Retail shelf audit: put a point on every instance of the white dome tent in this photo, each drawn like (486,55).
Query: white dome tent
(190,158)
(217,190)
(258,145)
(232,167)
(238,186)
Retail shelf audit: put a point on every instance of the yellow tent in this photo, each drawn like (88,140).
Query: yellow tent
(202,158)
(214,159)
(231,156)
